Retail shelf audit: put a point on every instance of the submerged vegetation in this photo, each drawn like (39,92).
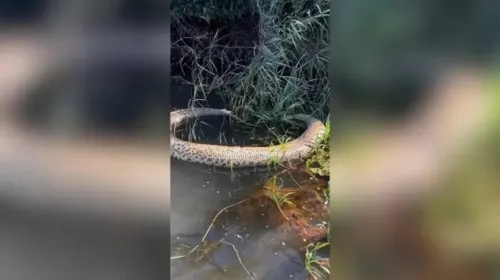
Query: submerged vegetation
(300,212)
(279,68)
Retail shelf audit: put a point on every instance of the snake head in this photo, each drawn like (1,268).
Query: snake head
(226,111)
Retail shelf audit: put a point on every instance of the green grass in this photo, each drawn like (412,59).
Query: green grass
(279,198)
(317,266)
(288,73)
(280,146)
(319,163)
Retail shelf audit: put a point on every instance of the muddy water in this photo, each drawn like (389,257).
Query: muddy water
(198,192)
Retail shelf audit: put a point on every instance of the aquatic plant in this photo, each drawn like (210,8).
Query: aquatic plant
(300,209)
(318,267)
(279,146)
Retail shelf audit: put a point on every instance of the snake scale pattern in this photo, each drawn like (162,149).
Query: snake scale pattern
(234,156)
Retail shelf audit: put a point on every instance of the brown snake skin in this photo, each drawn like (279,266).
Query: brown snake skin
(234,156)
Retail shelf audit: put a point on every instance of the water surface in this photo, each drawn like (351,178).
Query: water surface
(198,192)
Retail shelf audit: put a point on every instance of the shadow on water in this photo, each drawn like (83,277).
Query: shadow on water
(227,221)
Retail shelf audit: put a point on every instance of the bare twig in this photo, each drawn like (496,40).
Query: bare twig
(208,230)
(252,275)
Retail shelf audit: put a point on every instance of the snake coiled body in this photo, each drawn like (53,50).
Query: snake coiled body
(234,156)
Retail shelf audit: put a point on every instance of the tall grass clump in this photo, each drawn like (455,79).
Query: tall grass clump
(284,72)
(289,72)
(278,68)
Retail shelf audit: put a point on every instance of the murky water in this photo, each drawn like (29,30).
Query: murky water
(198,192)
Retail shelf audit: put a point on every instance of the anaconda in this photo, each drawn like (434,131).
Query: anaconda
(235,156)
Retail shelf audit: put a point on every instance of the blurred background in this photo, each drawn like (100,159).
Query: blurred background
(415,139)
(84,178)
